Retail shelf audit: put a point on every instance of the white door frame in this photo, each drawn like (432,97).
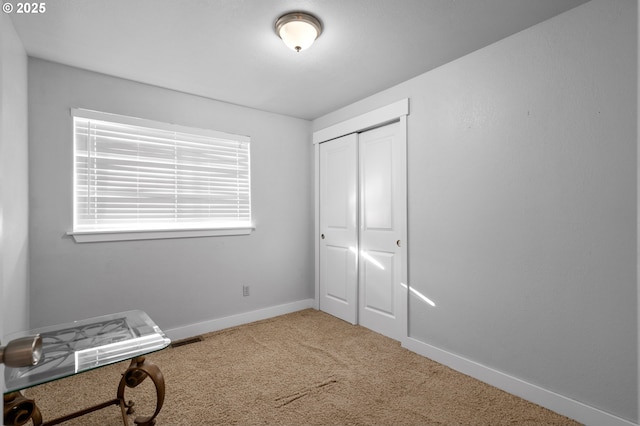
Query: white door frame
(396,111)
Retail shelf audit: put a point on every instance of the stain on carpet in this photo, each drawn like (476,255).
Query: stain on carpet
(313,389)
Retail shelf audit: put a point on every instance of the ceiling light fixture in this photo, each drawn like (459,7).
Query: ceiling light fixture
(298,30)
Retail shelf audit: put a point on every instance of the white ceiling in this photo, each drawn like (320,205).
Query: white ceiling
(228,50)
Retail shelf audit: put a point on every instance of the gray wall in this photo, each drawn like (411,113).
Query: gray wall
(522,204)
(14,200)
(178,282)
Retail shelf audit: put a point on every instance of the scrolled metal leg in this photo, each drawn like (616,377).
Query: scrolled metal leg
(138,371)
(18,410)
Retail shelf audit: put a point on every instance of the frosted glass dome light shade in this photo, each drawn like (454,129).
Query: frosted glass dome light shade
(298,30)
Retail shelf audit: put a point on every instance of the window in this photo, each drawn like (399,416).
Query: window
(140,178)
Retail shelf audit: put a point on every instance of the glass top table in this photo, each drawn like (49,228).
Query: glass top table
(79,346)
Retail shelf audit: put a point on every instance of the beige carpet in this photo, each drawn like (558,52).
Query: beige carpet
(305,368)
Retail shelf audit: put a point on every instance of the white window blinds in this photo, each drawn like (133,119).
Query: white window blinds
(133,174)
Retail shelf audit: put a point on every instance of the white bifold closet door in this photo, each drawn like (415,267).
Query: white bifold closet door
(362,223)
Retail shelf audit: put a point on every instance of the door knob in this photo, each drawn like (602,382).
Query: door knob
(322,236)
(398,243)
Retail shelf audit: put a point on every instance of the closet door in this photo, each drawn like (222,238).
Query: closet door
(382,164)
(338,228)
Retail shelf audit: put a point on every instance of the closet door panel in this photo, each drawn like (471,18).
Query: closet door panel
(338,228)
(378,295)
(377,184)
(362,217)
(338,262)
(382,163)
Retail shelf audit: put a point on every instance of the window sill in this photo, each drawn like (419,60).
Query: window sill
(103,236)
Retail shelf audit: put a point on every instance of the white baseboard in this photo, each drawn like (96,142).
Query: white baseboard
(235,320)
(578,411)
(560,404)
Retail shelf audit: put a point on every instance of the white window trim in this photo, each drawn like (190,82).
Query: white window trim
(154,234)
(105,116)
(103,236)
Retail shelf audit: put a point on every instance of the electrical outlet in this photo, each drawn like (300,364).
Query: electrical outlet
(245,290)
